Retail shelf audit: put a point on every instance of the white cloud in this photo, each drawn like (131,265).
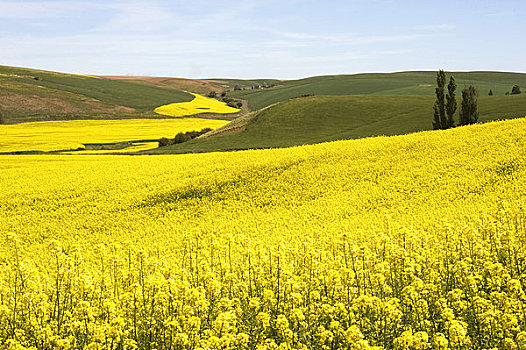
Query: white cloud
(39,9)
(136,16)
(437,27)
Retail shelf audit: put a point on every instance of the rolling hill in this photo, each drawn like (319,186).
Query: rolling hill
(403,83)
(316,119)
(29,95)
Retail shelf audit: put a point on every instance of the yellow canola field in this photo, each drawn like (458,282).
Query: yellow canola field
(407,242)
(200,104)
(73,134)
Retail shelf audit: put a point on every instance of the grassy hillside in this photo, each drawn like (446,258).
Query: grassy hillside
(380,242)
(316,119)
(200,86)
(404,83)
(28,94)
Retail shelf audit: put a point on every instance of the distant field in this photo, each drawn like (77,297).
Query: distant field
(317,119)
(76,134)
(200,86)
(28,94)
(404,83)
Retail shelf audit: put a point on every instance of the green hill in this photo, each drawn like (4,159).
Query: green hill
(315,119)
(403,83)
(28,94)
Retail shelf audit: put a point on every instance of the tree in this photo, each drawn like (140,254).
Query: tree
(212,94)
(515,90)
(469,110)
(490,93)
(451,102)
(440,121)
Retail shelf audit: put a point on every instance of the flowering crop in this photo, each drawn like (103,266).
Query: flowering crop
(406,242)
(73,134)
(198,105)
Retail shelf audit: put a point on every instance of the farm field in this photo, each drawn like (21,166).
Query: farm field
(200,104)
(405,242)
(315,119)
(69,135)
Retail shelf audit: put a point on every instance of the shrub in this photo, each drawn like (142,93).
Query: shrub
(181,137)
(212,94)
(515,90)
(164,142)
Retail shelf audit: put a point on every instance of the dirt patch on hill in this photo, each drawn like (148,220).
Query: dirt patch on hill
(200,86)
(15,104)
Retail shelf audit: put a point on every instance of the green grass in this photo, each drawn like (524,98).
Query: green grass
(75,95)
(404,83)
(315,119)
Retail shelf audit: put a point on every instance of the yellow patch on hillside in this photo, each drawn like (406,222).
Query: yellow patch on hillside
(200,104)
(88,76)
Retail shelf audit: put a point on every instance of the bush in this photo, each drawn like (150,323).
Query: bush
(239,104)
(164,142)
(181,137)
(515,90)
(212,94)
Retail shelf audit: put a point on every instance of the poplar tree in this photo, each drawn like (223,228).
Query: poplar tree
(451,102)
(440,121)
(469,108)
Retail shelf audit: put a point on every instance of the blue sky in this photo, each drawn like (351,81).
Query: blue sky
(267,38)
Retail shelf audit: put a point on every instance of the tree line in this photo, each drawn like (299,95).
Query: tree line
(446,105)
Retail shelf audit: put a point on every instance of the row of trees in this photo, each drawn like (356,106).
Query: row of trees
(446,105)
(182,137)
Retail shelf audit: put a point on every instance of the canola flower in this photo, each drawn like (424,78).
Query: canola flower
(200,104)
(73,134)
(406,242)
